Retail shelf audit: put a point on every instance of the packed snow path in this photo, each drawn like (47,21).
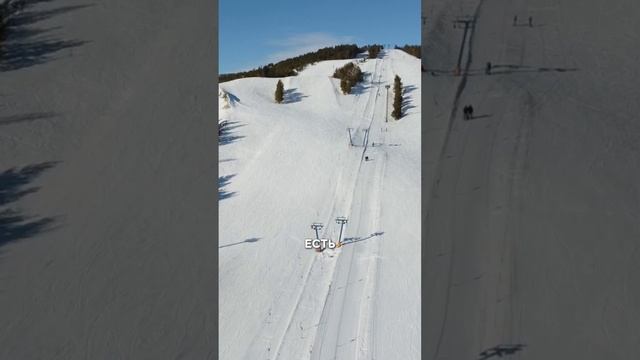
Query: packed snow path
(346,310)
(107,167)
(532,223)
(338,304)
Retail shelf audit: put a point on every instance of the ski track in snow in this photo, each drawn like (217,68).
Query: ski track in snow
(356,213)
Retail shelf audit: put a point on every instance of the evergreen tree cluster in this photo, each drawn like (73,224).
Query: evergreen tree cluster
(397,98)
(374,50)
(349,76)
(290,67)
(279,92)
(411,50)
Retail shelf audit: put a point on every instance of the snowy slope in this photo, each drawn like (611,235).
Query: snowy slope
(107,203)
(285,166)
(532,223)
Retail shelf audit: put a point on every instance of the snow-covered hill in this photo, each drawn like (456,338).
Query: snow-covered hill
(285,166)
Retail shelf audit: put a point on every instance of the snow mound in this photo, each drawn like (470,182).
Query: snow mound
(226,102)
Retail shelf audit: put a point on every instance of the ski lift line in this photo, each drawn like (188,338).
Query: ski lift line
(359,93)
(317,348)
(299,297)
(335,350)
(324,313)
(373,112)
(377,72)
(366,106)
(439,169)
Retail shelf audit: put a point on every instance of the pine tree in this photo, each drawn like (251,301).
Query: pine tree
(349,75)
(374,50)
(397,98)
(291,66)
(279,92)
(345,86)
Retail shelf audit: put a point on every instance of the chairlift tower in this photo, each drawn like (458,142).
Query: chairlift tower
(386,113)
(468,22)
(316,227)
(342,221)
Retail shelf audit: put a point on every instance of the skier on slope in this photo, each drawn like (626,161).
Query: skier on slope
(468,112)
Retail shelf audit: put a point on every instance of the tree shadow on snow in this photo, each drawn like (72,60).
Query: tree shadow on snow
(365,85)
(293,96)
(360,88)
(406,106)
(409,89)
(222,182)
(232,98)
(24,45)
(226,134)
(15,225)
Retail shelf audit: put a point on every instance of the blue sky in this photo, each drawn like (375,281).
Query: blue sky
(256,32)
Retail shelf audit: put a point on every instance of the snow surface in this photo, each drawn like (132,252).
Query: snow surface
(107,171)
(532,231)
(285,166)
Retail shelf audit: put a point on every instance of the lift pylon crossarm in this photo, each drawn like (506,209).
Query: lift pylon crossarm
(316,227)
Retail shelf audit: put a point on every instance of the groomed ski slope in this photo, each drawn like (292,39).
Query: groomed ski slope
(283,167)
(532,228)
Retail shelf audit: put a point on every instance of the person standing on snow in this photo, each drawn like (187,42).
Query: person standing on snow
(488,68)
